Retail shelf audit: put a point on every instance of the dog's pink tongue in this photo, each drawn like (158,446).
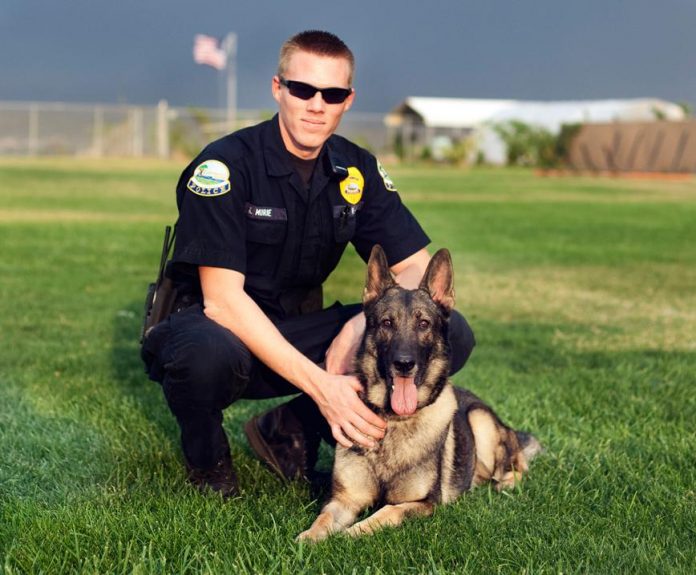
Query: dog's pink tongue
(404,398)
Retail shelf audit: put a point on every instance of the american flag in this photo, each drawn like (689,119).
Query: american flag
(206,50)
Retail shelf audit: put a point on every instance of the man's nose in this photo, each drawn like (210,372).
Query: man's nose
(316,102)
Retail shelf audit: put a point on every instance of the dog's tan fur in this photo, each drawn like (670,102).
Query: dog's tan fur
(450,444)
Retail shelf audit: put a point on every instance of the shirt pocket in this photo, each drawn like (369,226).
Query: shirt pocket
(344,220)
(266,225)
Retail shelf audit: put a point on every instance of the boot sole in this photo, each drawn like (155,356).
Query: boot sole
(260,447)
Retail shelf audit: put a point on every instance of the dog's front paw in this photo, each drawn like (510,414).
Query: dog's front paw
(312,535)
(360,529)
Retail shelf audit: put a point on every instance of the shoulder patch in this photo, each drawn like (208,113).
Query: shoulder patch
(388,183)
(352,186)
(211,178)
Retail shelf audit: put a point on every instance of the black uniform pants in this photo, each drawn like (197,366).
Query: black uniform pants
(203,368)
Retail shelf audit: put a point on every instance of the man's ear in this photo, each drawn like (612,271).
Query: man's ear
(379,277)
(348,103)
(438,279)
(275,88)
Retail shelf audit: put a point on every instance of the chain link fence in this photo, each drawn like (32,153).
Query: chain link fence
(101,130)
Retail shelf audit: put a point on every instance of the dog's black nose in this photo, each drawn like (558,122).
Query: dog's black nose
(404,365)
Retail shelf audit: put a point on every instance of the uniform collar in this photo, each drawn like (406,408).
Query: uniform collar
(276,155)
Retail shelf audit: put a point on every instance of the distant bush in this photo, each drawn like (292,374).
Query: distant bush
(535,146)
(564,140)
(398,146)
(687,108)
(461,152)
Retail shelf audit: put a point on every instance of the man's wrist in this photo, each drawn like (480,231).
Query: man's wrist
(310,380)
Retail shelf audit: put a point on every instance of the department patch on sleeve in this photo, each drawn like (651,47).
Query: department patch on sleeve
(211,178)
(388,183)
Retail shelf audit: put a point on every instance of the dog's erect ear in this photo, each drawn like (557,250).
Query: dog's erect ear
(379,277)
(438,279)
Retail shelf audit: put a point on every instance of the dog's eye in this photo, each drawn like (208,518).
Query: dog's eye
(423,324)
(386,322)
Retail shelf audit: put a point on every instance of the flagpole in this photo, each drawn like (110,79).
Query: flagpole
(230,47)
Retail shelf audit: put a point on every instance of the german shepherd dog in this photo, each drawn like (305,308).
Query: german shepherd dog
(440,440)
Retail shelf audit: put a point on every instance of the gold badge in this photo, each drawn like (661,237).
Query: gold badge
(352,186)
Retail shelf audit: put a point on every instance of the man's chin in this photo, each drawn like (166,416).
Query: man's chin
(311,143)
(314,136)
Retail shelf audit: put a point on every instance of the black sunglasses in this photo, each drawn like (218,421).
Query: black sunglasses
(306,91)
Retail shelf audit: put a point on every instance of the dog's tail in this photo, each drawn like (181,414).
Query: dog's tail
(530,445)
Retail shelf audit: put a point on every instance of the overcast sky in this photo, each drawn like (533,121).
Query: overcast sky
(139,51)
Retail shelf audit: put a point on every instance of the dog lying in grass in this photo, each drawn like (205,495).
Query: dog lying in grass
(440,440)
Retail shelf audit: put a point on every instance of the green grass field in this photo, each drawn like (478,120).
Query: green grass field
(582,294)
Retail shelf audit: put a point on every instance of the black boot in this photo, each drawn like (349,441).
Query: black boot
(287,438)
(207,452)
(220,478)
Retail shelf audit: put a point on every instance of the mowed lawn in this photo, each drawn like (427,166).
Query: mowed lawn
(582,295)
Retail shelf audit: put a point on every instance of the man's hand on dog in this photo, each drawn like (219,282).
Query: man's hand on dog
(345,412)
(348,417)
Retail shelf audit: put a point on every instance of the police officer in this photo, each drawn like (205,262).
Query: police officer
(264,217)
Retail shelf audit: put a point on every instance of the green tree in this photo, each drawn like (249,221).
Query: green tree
(535,146)
(687,108)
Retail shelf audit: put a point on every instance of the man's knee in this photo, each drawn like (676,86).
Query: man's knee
(461,339)
(210,373)
(200,363)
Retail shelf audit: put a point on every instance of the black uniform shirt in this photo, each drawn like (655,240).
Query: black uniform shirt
(242,206)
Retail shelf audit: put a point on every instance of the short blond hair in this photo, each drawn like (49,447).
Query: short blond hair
(319,43)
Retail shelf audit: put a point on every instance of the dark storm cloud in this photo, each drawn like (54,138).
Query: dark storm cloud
(140,51)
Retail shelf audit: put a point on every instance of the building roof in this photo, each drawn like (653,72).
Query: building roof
(471,113)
